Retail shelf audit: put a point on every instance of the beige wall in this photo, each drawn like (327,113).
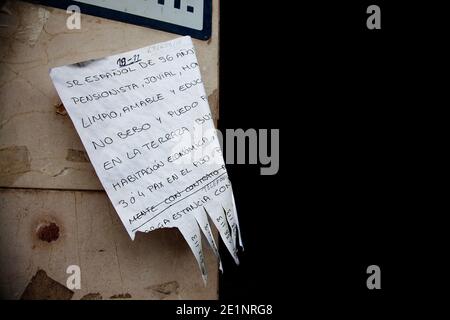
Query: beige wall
(45,176)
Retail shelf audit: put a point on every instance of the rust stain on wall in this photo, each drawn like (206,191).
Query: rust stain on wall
(42,287)
(48,232)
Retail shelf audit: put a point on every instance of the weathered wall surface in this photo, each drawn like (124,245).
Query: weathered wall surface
(53,211)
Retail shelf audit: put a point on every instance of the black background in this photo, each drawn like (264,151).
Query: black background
(355,109)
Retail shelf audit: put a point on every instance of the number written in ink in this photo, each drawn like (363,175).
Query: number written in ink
(123,62)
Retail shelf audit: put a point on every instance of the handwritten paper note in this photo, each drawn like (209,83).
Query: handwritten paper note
(144,119)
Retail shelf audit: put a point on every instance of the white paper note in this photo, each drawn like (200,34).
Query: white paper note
(144,119)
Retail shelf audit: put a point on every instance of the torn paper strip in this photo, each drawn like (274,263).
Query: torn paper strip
(144,119)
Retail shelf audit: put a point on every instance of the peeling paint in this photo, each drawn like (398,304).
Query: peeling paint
(31,25)
(121,296)
(60,109)
(77,155)
(61,172)
(166,288)
(92,296)
(42,287)
(213,101)
(14,161)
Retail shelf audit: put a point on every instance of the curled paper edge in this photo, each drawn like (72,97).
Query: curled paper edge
(224,216)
